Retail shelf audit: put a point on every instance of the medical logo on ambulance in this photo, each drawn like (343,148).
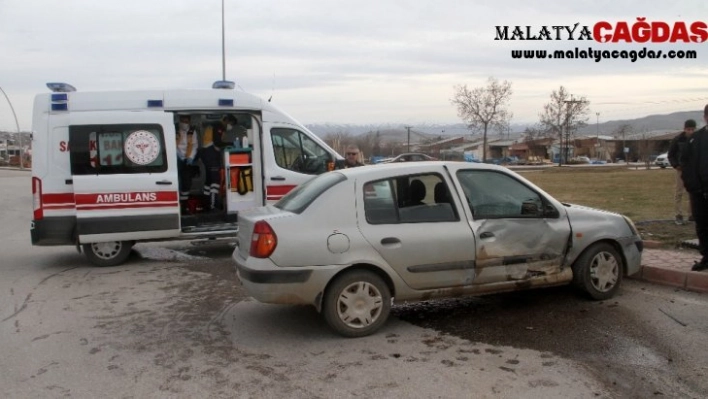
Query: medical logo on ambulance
(142,147)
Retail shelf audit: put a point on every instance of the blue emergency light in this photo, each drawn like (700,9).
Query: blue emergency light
(226,102)
(59,87)
(154,103)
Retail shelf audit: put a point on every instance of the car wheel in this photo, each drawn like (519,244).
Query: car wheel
(598,271)
(111,253)
(357,303)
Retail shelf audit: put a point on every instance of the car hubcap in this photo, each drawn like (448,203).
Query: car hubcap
(106,250)
(359,305)
(604,271)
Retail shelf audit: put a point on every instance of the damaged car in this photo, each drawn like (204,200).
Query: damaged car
(354,242)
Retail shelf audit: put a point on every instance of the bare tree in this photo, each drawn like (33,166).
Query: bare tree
(338,141)
(563,115)
(484,107)
(368,143)
(532,136)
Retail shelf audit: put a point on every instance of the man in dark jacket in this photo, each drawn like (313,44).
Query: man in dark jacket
(677,143)
(352,157)
(693,160)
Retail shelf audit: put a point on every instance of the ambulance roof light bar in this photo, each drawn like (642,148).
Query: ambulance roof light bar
(223,84)
(58,87)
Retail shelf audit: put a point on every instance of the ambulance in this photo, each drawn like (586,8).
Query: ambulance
(105,175)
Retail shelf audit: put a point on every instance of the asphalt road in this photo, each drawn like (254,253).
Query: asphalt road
(173,322)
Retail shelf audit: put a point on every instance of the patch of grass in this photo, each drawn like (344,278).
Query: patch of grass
(640,194)
(645,196)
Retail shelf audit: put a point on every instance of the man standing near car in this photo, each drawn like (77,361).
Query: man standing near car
(352,157)
(678,144)
(694,172)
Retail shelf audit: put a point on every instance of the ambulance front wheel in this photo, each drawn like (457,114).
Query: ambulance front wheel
(111,253)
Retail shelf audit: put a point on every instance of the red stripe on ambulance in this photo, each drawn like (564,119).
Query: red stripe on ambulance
(277,192)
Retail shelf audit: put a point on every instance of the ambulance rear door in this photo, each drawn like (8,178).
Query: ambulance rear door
(124,174)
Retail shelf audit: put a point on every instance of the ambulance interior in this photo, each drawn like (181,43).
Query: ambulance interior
(214,198)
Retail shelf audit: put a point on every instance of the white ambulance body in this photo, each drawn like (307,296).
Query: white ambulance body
(104,167)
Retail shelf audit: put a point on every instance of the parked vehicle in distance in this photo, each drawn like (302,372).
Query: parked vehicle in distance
(662,160)
(581,159)
(351,242)
(409,157)
(471,158)
(503,161)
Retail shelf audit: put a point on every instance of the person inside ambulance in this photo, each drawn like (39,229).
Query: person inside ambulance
(187,146)
(212,157)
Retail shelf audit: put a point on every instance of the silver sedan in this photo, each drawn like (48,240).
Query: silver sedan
(352,242)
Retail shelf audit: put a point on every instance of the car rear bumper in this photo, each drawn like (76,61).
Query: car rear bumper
(269,283)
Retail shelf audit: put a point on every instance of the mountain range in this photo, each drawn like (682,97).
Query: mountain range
(398,131)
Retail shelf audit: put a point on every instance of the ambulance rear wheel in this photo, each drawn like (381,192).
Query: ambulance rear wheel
(111,253)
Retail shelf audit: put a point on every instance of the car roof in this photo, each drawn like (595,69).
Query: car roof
(386,169)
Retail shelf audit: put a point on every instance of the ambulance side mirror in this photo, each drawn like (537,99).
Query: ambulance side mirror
(337,164)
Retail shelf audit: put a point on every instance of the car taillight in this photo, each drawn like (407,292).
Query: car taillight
(37,198)
(263,240)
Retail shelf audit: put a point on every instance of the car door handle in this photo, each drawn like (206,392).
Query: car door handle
(164,182)
(69,181)
(390,240)
(486,234)
(277,178)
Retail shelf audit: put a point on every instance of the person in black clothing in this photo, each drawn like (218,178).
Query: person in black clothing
(678,143)
(693,159)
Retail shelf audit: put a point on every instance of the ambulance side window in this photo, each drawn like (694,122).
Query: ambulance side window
(295,151)
(117,149)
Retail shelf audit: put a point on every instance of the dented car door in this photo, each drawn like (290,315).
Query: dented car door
(520,234)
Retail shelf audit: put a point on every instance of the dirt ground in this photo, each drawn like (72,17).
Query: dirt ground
(667,232)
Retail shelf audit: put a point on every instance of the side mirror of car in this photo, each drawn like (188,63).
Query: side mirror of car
(530,208)
(549,211)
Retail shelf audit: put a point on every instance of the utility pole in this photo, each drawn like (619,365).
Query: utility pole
(569,115)
(597,135)
(17,125)
(409,137)
(223,45)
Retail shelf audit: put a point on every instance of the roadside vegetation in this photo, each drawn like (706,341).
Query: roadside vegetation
(646,196)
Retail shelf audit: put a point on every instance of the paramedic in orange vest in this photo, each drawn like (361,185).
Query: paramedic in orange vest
(187,146)
(211,156)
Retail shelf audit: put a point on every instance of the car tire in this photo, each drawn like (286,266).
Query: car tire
(598,271)
(357,303)
(112,253)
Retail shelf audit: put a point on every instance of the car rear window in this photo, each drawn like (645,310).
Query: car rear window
(303,195)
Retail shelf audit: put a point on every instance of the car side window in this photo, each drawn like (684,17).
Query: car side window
(295,151)
(117,149)
(409,199)
(494,195)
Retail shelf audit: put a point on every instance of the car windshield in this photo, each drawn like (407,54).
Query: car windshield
(302,196)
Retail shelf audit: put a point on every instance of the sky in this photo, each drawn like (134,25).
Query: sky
(344,62)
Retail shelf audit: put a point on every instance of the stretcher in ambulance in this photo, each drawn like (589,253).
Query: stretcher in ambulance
(105,166)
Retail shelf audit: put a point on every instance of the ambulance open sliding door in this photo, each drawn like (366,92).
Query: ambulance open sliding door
(125,179)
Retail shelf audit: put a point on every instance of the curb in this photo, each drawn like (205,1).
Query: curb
(687,280)
(15,169)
